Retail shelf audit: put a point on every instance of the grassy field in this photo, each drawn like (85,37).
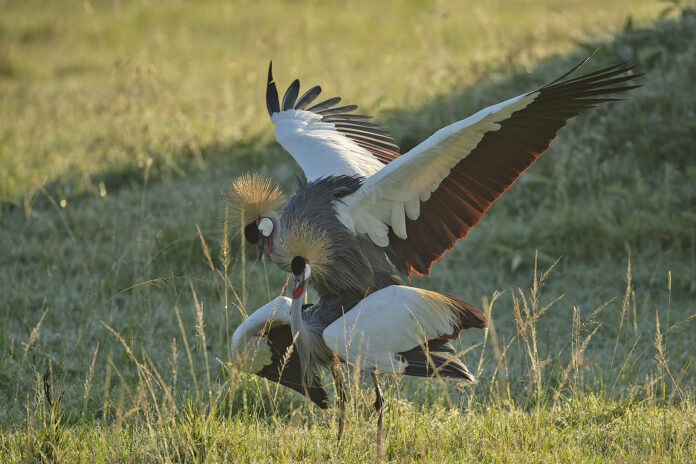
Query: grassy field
(121,124)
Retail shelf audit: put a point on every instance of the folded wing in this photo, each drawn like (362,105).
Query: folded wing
(421,203)
(263,345)
(391,326)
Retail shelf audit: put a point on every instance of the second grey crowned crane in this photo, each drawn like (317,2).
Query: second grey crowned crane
(396,329)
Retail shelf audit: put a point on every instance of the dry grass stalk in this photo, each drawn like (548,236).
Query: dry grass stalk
(88,379)
(173,362)
(188,349)
(28,346)
(34,335)
(107,387)
(624,307)
(225,259)
(206,250)
(661,358)
(200,329)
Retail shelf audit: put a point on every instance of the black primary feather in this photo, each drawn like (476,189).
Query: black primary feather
(291,95)
(308,97)
(272,102)
(337,110)
(328,103)
(369,136)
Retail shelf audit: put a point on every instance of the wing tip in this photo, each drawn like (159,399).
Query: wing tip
(272,102)
(576,67)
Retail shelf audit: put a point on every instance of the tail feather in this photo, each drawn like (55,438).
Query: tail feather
(469,315)
(435,360)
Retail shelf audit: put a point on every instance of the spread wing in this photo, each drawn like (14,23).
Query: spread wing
(263,345)
(325,139)
(421,203)
(378,332)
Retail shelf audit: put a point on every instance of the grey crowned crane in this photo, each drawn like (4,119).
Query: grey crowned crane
(415,206)
(396,329)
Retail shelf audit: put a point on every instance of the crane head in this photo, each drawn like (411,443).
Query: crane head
(260,233)
(252,196)
(301,272)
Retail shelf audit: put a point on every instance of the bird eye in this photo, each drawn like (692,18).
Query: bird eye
(251,233)
(265,227)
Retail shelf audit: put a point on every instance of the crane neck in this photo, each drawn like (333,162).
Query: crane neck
(300,340)
(296,316)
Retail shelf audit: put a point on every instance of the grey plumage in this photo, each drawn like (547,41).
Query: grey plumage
(358,267)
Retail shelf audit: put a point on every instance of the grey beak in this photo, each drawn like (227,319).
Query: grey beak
(260,245)
(299,280)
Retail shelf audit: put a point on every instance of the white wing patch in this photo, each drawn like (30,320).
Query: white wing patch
(319,148)
(250,353)
(396,191)
(253,354)
(389,321)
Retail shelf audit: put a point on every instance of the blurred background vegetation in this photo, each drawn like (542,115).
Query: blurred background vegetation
(99,87)
(121,123)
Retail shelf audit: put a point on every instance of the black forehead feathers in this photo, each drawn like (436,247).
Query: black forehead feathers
(298,265)
(251,233)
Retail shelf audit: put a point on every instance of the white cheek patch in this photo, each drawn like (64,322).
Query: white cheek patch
(307,271)
(266,227)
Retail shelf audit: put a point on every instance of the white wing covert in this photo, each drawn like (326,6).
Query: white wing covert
(394,320)
(263,345)
(395,193)
(249,347)
(325,139)
(459,171)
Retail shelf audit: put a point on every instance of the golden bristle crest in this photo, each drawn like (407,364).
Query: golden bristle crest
(252,196)
(310,242)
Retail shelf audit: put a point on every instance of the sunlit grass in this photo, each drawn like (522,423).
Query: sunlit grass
(121,283)
(529,404)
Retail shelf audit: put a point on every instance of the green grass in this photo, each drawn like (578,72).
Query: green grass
(97,88)
(163,104)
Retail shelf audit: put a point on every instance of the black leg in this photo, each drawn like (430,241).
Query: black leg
(342,398)
(379,406)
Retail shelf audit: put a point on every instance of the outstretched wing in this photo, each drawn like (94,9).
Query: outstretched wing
(263,345)
(325,139)
(379,332)
(424,201)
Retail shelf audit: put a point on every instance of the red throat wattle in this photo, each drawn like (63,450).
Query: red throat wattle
(297,292)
